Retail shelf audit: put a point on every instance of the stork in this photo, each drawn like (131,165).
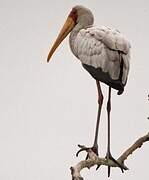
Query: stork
(103,52)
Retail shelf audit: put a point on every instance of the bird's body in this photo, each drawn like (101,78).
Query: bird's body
(103,52)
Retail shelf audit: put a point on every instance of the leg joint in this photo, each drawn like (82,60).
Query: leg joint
(108,106)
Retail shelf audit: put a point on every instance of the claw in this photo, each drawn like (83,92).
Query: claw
(109,156)
(109,170)
(83,148)
(98,166)
(87,156)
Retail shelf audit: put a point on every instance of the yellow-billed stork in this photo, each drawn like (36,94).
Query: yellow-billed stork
(103,52)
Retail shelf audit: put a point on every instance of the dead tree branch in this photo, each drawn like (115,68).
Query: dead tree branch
(96,160)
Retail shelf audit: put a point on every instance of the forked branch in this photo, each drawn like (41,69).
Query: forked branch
(96,160)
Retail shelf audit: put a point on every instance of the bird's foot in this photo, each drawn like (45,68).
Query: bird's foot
(110,157)
(84,148)
(94,148)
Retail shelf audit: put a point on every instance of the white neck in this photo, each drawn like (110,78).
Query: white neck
(83,22)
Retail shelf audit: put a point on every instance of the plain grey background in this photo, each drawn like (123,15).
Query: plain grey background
(47,109)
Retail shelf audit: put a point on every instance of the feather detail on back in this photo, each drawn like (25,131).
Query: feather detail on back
(101,47)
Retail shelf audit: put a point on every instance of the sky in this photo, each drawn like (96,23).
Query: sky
(47,109)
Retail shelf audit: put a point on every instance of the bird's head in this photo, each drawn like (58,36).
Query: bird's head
(78,15)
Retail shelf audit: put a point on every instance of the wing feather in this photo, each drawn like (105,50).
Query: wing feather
(100,47)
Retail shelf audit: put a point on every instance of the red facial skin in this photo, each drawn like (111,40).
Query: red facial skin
(74,15)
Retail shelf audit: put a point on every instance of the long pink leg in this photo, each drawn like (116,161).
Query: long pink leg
(95,144)
(108,155)
(100,102)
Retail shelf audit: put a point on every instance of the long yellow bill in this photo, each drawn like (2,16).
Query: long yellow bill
(68,26)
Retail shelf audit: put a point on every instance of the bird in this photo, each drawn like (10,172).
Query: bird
(104,53)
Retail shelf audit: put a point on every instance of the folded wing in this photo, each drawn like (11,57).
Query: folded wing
(105,48)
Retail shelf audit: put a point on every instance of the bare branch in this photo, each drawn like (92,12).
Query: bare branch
(95,160)
(135,146)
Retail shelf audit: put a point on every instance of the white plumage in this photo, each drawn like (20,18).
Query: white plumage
(102,47)
(104,53)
